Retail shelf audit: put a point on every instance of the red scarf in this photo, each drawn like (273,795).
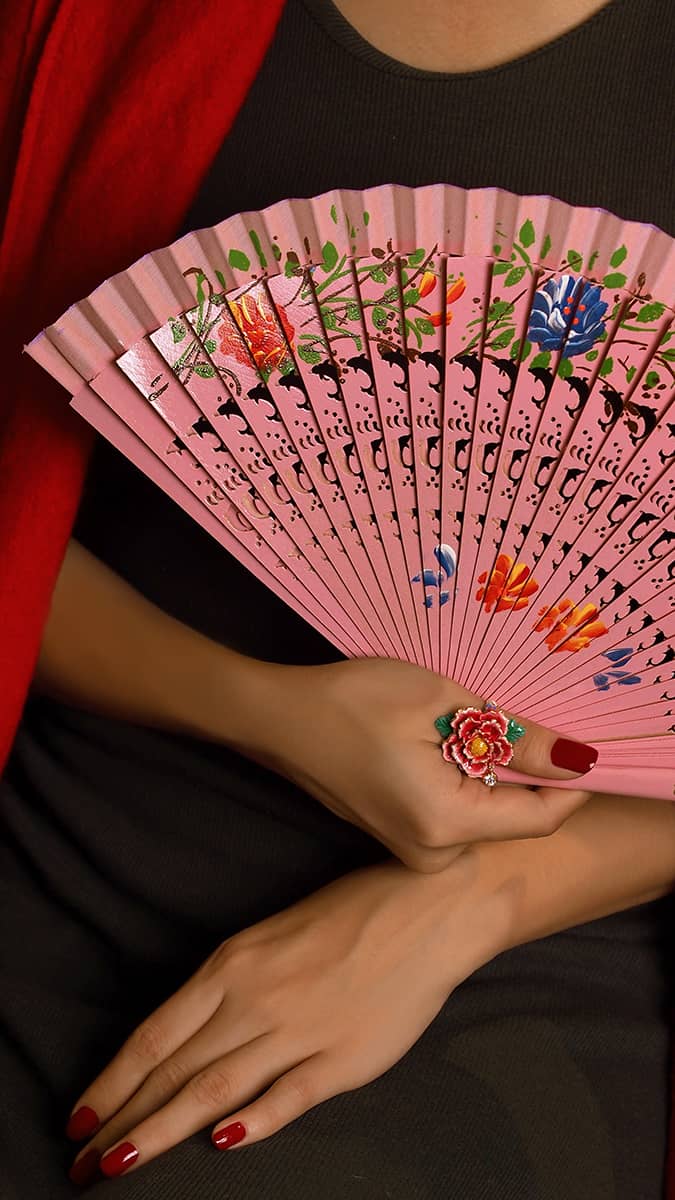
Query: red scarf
(110,116)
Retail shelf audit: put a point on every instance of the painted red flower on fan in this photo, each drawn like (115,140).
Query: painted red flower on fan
(479,741)
(267,338)
(509,585)
(572,627)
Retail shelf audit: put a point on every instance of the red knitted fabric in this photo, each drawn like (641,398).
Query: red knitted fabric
(110,115)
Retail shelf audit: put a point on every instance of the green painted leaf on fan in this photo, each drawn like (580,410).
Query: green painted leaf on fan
(652,379)
(543,359)
(617,280)
(390,295)
(650,312)
(209,346)
(668,355)
(496,249)
(255,240)
(516,352)
(592,355)
(178,331)
(379,275)
(565,368)
(526,234)
(308,356)
(618,257)
(592,259)
(221,278)
(444,725)
(514,276)
(575,260)
(607,367)
(411,297)
(238,260)
(276,251)
(380,317)
(330,257)
(423,325)
(290,270)
(503,339)
(328,317)
(205,370)
(501,268)
(333,214)
(630,373)
(366,218)
(545,246)
(416,257)
(353,311)
(499,308)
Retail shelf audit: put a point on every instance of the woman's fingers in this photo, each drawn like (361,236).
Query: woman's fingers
(543,753)
(303,1087)
(152,1043)
(161,1085)
(505,812)
(210,1095)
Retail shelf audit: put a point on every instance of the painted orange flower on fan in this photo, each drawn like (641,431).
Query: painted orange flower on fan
(267,337)
(453,292)
(572,627)
(509,586)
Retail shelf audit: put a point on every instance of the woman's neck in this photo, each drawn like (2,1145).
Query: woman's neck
(463,35)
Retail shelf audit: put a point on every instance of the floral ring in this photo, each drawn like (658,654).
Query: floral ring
(479,739)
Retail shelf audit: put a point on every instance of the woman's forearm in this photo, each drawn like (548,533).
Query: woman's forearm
(612,854)
(108,649)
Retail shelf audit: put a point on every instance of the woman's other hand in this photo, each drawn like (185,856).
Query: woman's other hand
(314,1001)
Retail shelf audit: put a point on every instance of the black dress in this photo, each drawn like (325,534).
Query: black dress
(129,854)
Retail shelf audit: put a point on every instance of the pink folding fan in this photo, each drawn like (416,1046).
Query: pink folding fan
(438,423)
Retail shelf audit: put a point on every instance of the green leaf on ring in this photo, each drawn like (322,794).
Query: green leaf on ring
(444,725)
(514,731)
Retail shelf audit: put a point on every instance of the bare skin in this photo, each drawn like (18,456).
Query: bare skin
(463,35)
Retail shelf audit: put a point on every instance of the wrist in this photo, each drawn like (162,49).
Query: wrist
(473,910)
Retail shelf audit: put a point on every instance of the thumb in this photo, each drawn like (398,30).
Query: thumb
(544,754)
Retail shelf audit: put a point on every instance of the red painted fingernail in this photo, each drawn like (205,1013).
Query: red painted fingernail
(573,756)
(83,1124)
(229,1135)
(85,1168)
(117,1161)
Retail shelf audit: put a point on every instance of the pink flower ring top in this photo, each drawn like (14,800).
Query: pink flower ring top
(479,739)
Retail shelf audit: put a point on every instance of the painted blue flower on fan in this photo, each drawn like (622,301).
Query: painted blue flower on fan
(570,308)
(618,658)
(447,561)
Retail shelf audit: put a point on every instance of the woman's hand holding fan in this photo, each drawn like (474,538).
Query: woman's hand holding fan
(359,736)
